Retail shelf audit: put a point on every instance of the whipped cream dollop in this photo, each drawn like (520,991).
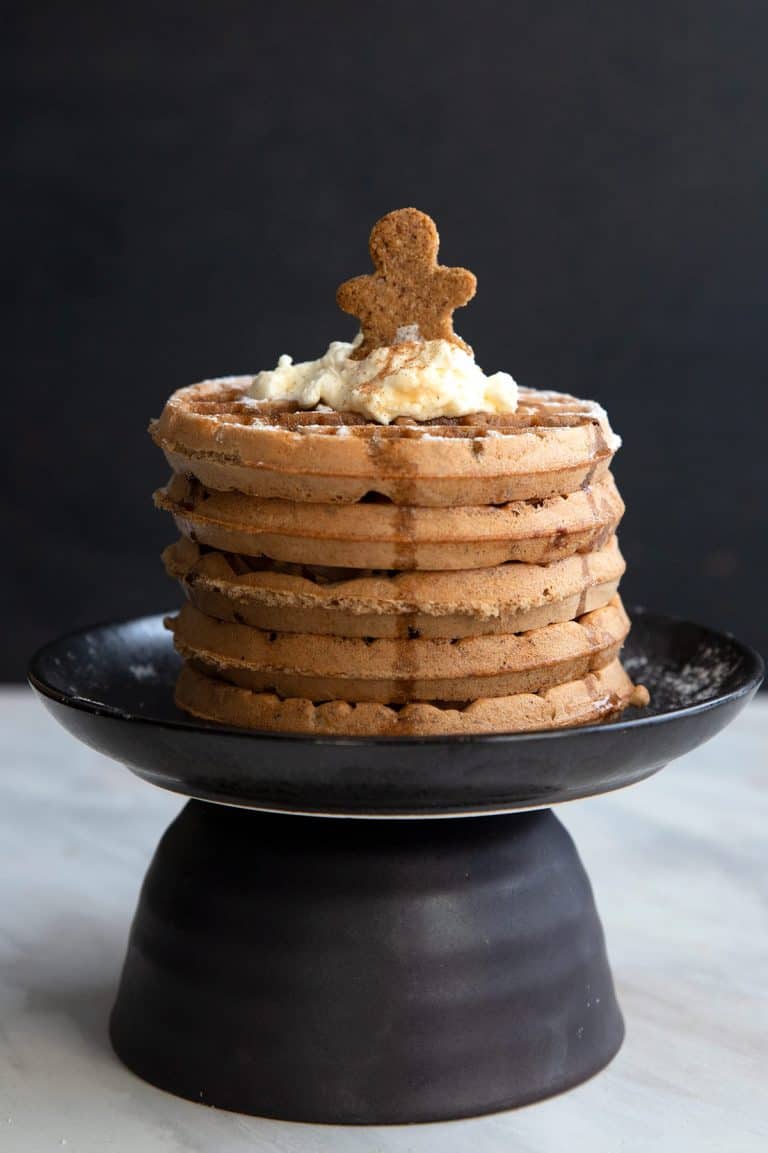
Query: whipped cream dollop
(422,379)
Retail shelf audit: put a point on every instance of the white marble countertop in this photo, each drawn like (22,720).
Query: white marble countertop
(679,867)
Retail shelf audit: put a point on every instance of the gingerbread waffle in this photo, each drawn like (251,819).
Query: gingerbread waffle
(382,535)
(508,598)
(599,696)
(552,444)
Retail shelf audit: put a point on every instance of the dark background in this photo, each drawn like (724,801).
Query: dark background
(190,182)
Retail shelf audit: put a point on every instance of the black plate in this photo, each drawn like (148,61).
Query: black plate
(112,687)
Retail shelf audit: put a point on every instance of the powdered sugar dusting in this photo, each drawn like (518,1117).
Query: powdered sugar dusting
(681,679)
(699,680)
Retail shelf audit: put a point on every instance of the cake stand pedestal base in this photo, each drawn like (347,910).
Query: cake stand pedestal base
(365,971)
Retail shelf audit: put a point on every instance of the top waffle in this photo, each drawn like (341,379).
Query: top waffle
(552,443)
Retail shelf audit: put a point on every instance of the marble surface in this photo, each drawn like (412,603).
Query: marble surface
(679,867)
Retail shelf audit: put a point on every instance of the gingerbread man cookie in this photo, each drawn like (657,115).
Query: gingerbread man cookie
(409,290)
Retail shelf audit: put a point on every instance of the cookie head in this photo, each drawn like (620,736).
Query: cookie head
(404,238)
(408,290)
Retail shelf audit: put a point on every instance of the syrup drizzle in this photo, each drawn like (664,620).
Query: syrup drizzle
(382,453)
(588,584)
(598,452)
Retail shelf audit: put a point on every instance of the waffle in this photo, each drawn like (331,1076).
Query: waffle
(600,696)
(509,598)
(322,668)
(552,444)
(382,535)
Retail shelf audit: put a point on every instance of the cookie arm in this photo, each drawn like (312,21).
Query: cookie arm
(457,285)
(353,296)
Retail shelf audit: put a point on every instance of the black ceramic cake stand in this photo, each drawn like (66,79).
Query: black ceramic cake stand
(379,970)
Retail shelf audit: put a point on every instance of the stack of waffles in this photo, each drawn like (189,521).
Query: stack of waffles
(388,542)
(448,576)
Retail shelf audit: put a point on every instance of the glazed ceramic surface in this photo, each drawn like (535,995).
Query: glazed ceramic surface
(365,972)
